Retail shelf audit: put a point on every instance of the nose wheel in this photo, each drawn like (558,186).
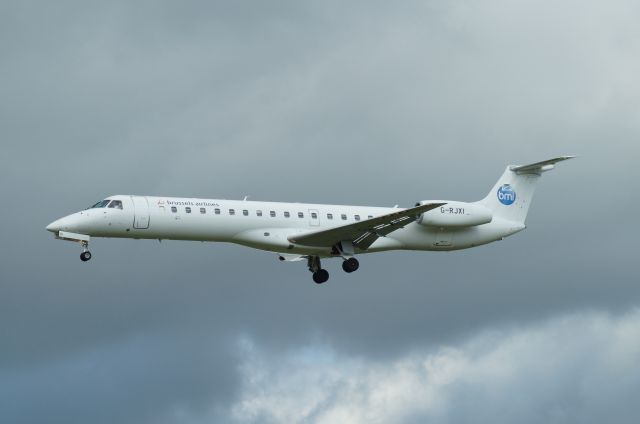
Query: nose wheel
(85,255)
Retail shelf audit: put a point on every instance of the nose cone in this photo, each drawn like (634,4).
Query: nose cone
(55,226)
(68,223)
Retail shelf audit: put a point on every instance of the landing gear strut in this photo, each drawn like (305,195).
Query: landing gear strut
(319,275)
(85,255)
(350,265)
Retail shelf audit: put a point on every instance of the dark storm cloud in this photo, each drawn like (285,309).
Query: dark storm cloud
(143,378)
(366,103)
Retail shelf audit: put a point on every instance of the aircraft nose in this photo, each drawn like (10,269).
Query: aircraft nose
(54,227)
(66,223)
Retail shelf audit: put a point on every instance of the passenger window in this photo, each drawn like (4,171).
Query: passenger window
(314,215)
(232,211)
(203,210)
(174,209)
(300,215)
(187,209)
(245,212)
(286,215)
(370,216)
(216,211)
(344,217)
(116,204)
(357,217)
(272,213)
(259,213)
(329,216)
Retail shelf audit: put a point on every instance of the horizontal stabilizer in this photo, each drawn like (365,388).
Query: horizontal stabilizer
(538,167)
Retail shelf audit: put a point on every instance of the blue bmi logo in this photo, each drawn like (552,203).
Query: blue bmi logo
(506,195)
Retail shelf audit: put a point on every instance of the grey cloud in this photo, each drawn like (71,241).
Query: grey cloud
(578,368)
(143,378)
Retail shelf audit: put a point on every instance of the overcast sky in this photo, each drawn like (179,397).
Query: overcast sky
(374,103)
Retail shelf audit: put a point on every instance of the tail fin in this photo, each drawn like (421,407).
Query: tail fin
(511,197)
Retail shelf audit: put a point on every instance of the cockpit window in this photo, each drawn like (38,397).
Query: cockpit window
(116,204)
(101,204)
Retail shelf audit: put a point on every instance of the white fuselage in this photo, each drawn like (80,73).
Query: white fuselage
(265,225)
(302,231)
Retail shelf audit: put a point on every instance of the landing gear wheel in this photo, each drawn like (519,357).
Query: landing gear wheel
(85,256)
(350,265)
(321,276)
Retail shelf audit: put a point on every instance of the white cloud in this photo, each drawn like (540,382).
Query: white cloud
(578,368)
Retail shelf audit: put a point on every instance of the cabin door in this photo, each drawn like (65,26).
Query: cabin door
(140,212)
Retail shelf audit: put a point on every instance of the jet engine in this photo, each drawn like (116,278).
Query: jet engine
(455,214)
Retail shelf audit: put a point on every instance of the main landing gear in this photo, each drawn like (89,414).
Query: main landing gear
(85,255)
(322,275)
(319,275)
(350,265)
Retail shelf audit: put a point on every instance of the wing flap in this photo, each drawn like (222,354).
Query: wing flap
(363,233)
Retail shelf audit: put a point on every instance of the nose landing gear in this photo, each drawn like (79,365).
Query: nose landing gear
(83,239)
(85,255)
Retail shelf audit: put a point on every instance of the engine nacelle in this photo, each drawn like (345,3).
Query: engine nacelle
(455,214)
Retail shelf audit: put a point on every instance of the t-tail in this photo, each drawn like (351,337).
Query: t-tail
(511,197)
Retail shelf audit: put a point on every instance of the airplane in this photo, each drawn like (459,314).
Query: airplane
(311,232)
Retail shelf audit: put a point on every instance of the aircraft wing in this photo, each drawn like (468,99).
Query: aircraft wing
(363,233)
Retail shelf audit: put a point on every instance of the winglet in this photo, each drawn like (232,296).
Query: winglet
(538,167)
